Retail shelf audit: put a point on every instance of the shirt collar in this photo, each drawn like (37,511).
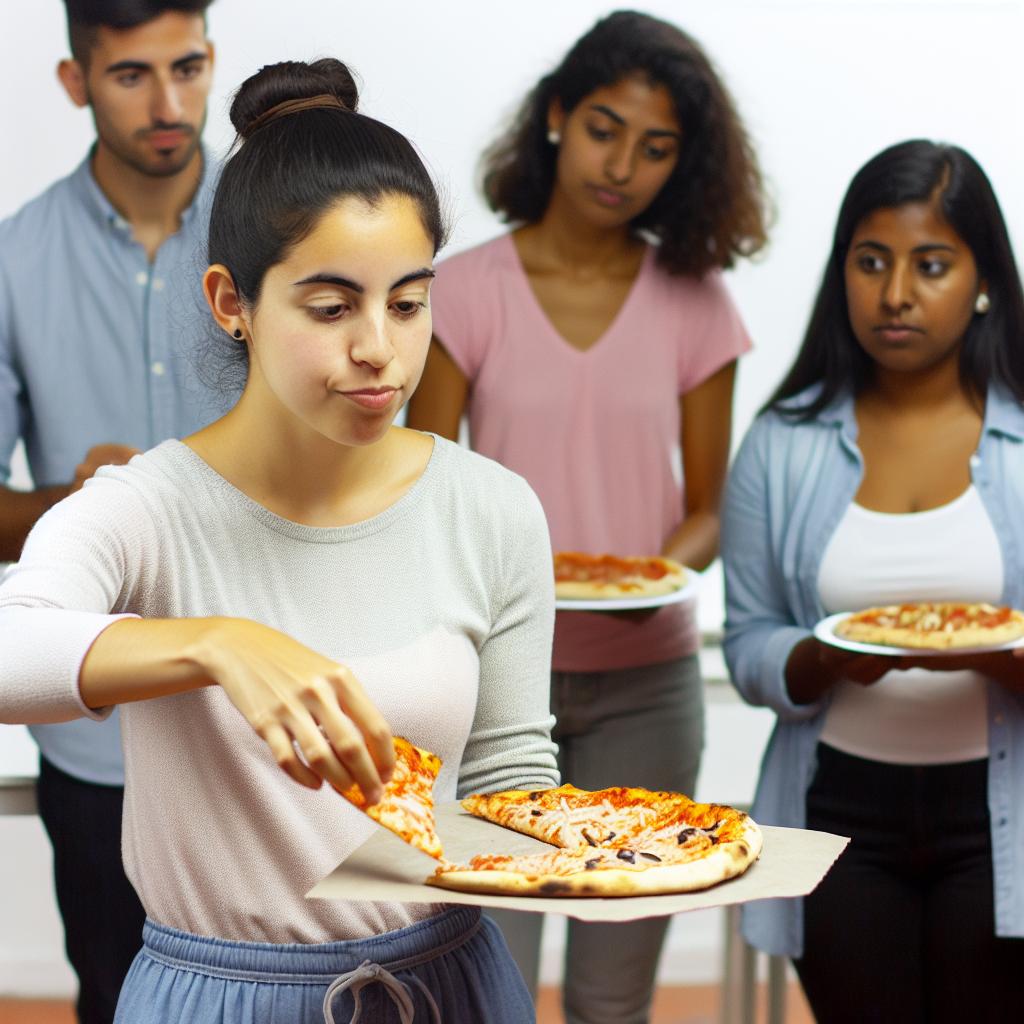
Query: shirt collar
(101,208)
(1004,412)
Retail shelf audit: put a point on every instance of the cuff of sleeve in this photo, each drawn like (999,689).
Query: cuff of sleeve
(47,647)
(90,630)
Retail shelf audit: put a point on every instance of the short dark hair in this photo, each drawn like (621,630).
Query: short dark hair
(289,170)
(914,172)
(87,17)
(713,206)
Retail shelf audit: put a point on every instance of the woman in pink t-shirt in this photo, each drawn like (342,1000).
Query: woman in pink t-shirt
(591,347)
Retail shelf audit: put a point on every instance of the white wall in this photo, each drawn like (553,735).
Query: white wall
(823,85)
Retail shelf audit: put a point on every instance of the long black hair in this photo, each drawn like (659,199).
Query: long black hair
(289,170)
(711,209)
(993,344)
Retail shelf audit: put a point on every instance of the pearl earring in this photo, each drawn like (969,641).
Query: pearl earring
(982,304)
(554,137)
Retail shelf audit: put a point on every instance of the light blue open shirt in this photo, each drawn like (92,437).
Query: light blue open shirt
(789,487)
(97,345)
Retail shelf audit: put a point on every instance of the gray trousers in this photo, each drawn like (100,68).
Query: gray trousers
(632,727)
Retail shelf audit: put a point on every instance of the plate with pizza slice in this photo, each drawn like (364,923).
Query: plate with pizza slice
(925,628)
(607,583)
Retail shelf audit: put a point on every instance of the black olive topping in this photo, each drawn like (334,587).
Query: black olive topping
(686,835)
(536,813)
(627,855)
(590,842)
(611,836)
(535,795)
(592,863)
(650,856)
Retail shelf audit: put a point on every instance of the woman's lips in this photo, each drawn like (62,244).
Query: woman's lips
(897,332)
(607,196)
(371,398)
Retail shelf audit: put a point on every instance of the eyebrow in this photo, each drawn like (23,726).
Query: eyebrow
(926,247)
(139,65)
(352,286)
(619,119)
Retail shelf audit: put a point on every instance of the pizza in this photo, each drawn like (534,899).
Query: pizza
(407,806)
(583,576)
(612,842)
(934,625)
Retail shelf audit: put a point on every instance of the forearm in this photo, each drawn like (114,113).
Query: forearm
(138,659)
(19,511)
(695,541)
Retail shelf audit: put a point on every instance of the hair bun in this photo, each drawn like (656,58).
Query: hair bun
(290,80)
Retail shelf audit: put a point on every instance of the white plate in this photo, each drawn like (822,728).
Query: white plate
(825,632)
(632,604)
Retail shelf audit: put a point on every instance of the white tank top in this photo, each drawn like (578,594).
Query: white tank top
(950,553)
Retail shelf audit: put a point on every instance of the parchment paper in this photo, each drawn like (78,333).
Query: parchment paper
(793,861)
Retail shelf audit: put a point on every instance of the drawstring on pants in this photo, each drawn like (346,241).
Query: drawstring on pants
(366,974)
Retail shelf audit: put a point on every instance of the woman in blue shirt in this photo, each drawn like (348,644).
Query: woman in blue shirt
(889,466)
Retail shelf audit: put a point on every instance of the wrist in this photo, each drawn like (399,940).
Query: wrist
(203,654)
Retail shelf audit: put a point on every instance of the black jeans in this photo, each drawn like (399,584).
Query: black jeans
(902,927)
(103,917)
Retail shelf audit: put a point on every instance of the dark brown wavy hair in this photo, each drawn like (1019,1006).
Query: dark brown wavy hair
(713,207)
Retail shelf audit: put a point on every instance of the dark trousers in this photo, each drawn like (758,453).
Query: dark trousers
(102,915)
(902,927)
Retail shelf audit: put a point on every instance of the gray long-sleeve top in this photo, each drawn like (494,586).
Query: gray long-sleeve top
(442,605)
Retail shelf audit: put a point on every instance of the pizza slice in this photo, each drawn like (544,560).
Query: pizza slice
(584,576)
(407,806)
(933,625)
(676,846)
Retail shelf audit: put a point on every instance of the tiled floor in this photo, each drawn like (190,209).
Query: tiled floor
(672,1005)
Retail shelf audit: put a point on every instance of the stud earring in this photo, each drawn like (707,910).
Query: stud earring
(982,304)
(554,137)
(237,334)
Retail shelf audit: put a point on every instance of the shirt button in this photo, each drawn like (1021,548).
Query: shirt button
(158,284)
(1001,756)
(141,278)
(975,460)
(1002,822)
(158,369)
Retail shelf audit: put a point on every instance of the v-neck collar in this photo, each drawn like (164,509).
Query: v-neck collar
(556,335)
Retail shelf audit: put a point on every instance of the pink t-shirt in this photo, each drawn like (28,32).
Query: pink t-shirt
(597,432)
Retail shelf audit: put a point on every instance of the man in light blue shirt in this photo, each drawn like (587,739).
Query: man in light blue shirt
(101,322)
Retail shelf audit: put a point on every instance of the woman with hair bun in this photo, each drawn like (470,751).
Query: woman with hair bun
(285,588)
(889,467)
(591,347)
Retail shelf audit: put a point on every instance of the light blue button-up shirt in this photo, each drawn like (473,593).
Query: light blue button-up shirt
(787,491)
(98,345)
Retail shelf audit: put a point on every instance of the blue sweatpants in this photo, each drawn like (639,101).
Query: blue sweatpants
(451,968)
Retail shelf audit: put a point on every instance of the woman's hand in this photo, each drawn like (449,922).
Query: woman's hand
(855,668)
(295,698)
(814,668)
